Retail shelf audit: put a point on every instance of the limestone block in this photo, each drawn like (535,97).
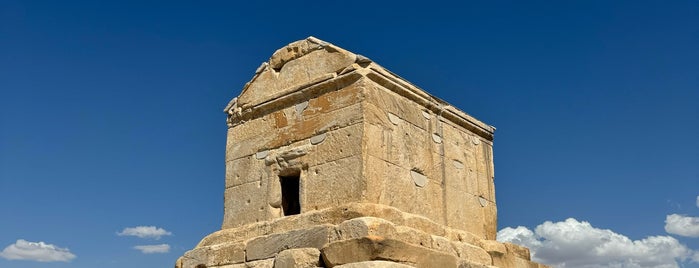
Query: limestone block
(338,144)
(335,100)
(468,264)
(378,248)
(262,138)
(442,244)
(243,204)
(493,247)
(396,104)
(412,236)
(298,258)
(462,236)
(250,129)
(465,212)
(491,221)
(509,260)
(221,254)
(309,127)
(472,253)
(405,145)
(268,263)
(517,250)
(425,224)
(365,226)
(270,245)
(244,170)
(343,178)
(289,69)
(392,185)
(293,51)
(374,264)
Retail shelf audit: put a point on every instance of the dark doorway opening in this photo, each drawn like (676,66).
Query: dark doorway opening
(291,204)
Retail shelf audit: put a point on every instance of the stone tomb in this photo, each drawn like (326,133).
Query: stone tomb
(334,161)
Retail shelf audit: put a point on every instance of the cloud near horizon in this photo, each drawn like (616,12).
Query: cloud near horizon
(152,249)
(144,232)
(36,251)
(572,243)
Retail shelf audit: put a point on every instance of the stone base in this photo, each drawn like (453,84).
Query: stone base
(352,235)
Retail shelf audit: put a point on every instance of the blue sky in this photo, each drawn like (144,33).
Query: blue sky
(111,116)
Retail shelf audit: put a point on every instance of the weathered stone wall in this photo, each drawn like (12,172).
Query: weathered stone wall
(422,163)
(319,137)
(333,161)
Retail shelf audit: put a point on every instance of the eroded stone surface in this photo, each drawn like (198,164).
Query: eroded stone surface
(298,258)
(268,246)
(329,154)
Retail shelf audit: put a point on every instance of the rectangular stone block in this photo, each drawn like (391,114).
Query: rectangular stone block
(396,186)
(298,258)
(221,254)
(305,128)
(333,183)
(465,212)
(517,250)
(336,144)
(295,129)
(244,170)
(270,245)
(472,253)
(398,105)
(245,203)
(335,100)
(379,248)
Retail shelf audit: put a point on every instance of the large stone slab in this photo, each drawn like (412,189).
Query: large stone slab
(374,264)
(298,258)
(379,248)
(269,246)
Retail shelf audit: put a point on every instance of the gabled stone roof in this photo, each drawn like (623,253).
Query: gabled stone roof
(312,62)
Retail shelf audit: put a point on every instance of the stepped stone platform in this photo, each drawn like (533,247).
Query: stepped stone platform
(334,161)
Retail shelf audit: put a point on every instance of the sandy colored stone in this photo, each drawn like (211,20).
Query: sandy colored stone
(288,68)
(244,205)
(517,250)
(509,260)
(378,248)
(298,258)
(389,101)
(442,244)
(374,264)
(221,254)
(412,236)
(243,170)
(493,247)
(270,245)
(365,226)
(468,264)
(345,174)
(472,253)
(374,168)
(393,185)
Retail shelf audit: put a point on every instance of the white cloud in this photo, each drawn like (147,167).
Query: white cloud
(682,225)
(144,232)
(572,243)
(36,251)
(697,200)
(150,249)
